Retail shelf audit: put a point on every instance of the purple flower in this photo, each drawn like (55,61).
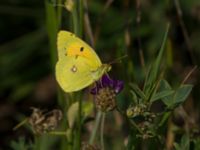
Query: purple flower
(107,82)
(105,93)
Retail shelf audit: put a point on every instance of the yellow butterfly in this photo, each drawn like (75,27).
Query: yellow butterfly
(78,65)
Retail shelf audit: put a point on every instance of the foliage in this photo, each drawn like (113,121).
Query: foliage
(158,107)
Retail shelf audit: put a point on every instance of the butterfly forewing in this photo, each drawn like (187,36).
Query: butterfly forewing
(69,44)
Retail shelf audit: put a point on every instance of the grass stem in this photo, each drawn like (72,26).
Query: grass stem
(102,131)
(96,125)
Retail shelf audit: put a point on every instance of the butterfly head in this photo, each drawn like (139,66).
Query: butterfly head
(106,67)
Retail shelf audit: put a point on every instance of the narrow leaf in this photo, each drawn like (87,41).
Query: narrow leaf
(161,95)
(138,91)
(134,97)
(52,29)
(153,74)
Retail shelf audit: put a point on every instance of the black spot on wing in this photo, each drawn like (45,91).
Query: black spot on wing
(81,49)
(65,49)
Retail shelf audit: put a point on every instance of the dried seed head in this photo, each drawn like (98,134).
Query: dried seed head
(52,120)
(105,99)
(42,122)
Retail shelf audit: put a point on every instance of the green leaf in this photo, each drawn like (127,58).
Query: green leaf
(196,143)
(182,93)
(138,91)
(161,95)
(20,144)
(153,73)
(72,114)
(184,144)
(167,100)
(164,85)
(176,146)
(134,97)
(164,119)
(131,141)
(178,97)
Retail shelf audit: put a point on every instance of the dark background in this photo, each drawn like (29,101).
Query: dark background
(26,76)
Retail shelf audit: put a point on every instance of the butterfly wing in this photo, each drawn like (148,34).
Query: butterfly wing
(74,74)
(70,45)
(78,65)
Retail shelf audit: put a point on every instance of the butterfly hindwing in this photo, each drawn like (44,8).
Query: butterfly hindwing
(73,74)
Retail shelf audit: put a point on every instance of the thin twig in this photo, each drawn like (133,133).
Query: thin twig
(170,135)
(138,21)
(99,21)
(20,124)
(189,74)
(79,122)
(87,23)
(184,30)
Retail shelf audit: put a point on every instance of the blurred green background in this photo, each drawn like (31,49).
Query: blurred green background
(27,78)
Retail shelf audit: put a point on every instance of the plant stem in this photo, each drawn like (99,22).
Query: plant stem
(20,124)
(96,125)
(75,20)
(79,123)
(102,129)
(59,14)
(135,125)
(57,133)
(81,18)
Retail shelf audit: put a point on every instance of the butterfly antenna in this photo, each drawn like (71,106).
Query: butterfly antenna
(118,60)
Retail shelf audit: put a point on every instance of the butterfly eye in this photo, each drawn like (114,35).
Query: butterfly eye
(81,49)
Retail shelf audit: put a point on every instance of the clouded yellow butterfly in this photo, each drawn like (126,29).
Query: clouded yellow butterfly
(78,65)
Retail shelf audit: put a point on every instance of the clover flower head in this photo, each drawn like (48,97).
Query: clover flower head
(105,93)
(106,81)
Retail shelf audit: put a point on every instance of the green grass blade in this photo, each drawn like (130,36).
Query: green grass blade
(153,74)
(52,29)
(138,91)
